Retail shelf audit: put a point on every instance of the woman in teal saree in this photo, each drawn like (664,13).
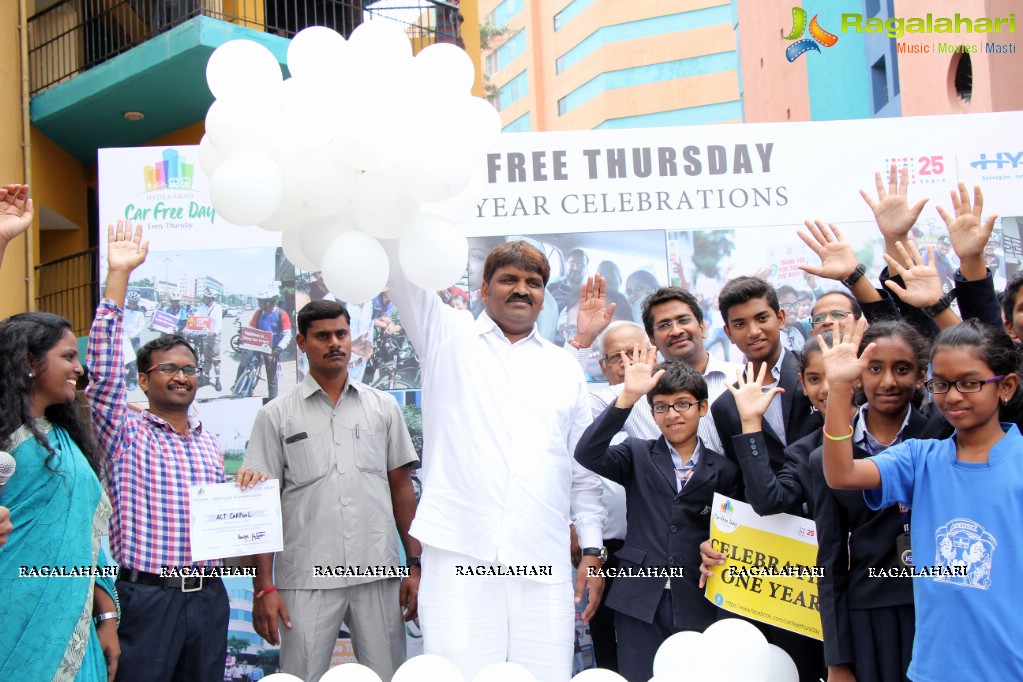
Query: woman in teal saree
(57,612)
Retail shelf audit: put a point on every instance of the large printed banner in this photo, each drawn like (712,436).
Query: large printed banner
(770,572)
(690,206)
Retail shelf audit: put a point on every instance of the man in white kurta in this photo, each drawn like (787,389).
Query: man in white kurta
(502,411)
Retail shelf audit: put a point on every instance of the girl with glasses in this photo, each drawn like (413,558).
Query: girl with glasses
(966,496)
(868,622)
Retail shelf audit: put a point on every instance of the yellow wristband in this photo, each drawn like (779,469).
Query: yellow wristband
(836,438)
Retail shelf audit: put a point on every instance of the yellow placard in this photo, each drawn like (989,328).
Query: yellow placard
(770,573)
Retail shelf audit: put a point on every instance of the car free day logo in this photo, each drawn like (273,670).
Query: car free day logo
(818,36)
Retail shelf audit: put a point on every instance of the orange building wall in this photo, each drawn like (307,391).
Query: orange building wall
(773,89)
(544,46)
(927,79)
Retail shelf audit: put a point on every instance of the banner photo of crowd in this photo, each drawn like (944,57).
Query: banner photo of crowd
(643,208)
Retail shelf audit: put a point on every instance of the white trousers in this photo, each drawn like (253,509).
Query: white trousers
(476,621)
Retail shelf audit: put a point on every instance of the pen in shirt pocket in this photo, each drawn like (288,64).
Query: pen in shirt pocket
(356,430)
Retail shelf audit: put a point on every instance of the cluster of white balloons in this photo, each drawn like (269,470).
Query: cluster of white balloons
(730,650)
(363,142)
(431,668)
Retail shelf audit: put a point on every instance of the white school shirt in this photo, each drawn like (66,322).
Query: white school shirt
(500,425)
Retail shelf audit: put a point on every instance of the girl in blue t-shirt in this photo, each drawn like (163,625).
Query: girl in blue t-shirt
(966,495)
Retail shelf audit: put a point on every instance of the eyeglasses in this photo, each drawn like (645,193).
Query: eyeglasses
(834,315)
(616,358)
(970,386)
(170,369)
(680,407)
(681,320)
(790,306)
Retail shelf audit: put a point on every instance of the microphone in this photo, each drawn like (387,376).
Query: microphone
(7,466)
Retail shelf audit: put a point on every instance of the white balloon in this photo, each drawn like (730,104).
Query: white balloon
(293,252)
(676,651)
(433,177)
(281,677)
(433,254)
(504,672)
(744,647)
(783,669)
(381,43)
(316,234)
(317,53)
(241,66)
(427,667)
(482,124)
(308,114)
(598,675)
(247,190)
(287,218)
(317,181)
(462,206)
(350,672)
(210,157)
(247,123)
(355,267)
(381,206)
(443,68)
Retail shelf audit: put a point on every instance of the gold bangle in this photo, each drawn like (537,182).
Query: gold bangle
(834,438)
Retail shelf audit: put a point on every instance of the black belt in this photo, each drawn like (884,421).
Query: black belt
(613,544)
(192,583)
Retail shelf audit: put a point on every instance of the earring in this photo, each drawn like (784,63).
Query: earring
(1005,401)
(31,375)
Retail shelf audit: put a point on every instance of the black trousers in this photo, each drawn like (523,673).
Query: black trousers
(638,641)
(167,635)
(602,625)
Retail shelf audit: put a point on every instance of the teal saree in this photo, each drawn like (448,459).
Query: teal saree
(60,513)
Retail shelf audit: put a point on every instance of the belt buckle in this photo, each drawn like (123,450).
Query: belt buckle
(184,582)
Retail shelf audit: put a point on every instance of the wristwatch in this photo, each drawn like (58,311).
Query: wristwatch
(599,552)
(941,306)
(414,561)
(852,279)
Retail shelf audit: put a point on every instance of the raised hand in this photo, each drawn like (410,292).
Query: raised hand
(922,283)
(639,371)
(15,211)
(751,400)
(892,212)
(594,315)
(125,251)
(968,232)
(838,260)
(842,363)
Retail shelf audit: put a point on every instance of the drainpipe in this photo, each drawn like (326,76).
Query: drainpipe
(26,132)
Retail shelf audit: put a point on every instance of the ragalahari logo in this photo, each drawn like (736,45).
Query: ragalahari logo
(173,172)
(818,36)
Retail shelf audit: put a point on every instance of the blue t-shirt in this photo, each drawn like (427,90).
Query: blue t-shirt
(966,528)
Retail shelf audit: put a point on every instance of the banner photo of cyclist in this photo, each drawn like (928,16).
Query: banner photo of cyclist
(235,307)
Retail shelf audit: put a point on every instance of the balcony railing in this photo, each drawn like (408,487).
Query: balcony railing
(68,287)
(75,35)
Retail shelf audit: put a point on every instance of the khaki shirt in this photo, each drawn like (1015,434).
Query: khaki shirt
(332,462)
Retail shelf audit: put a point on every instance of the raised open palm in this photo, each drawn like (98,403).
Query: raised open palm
(15,211)
(125,251)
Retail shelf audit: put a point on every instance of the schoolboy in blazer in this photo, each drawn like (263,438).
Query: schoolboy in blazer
(670,484)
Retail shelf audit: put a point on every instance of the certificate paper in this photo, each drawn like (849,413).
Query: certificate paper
(227,521)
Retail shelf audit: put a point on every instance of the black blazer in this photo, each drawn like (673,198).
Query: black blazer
(797,415)
(844,520)
(784,491)
(665,527)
